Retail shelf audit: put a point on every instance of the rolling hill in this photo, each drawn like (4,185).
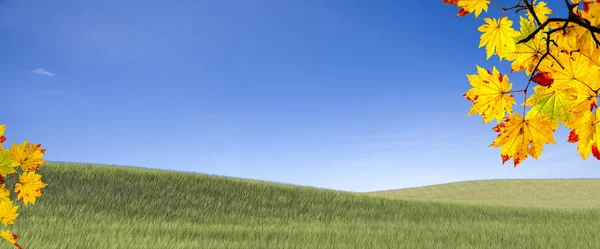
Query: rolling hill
(99,206)
(573,193)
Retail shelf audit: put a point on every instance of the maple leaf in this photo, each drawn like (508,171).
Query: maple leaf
(467,6)
(586,5)
(586,41)
(520,137)
(582,105)
(29,156)
(593,68)
(6,165)
(474,6)
(12,238)
(574,70)
(452,2)
(527,55)
(489,94)
(579,1)
(28,187)
(541,11)
(498,36)
(588,88)
(4,193)
(461,11)
(554,102)
(543,79)
(8,212)
(586,98)
(587,135)
(566,39)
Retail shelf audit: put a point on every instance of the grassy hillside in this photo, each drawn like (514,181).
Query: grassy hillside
(576,193)
(87,206)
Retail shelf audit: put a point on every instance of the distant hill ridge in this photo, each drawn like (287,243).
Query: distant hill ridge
(573,193)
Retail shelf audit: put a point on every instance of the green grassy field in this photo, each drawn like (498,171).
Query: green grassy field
(573,193)
(89,206)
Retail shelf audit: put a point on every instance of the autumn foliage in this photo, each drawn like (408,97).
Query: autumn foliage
(560,55)
(21,160)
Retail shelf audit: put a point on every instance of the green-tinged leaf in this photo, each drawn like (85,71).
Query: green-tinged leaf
(552,102)
(6,166)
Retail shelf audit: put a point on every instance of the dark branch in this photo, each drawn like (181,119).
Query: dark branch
(530,8)
(572,18)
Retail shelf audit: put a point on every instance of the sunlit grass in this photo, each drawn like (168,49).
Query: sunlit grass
(89,206)
(573,193)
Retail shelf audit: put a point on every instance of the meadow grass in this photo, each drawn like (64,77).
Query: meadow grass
(573,193)
(94,206)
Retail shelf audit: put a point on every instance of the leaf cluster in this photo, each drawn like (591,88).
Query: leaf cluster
(25,184)
(560,55)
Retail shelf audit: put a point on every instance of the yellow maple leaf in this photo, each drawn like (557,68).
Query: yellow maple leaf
(474,6)
(585,100)
(520,137)
(29,187)
(578,1)
(8,235)
(11,237)
(8,212)
(582,105)
(4,193)
(586,133)
(541,11)
(592,57)
(566,39)
(527,55)
(498,36)
(574,70)
(490,94)
(29,156)
(585,41)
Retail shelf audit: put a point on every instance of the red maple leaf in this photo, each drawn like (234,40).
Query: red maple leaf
(453,2)
(573,138)
(595,152)
(543,79)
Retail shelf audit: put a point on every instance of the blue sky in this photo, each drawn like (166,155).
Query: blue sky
(343,94)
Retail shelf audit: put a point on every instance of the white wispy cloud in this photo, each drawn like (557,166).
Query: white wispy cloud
(42,71)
